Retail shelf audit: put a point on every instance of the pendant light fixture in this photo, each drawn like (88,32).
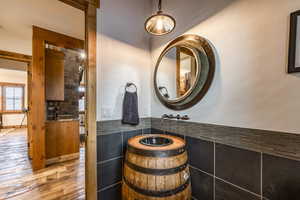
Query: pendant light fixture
(160,23)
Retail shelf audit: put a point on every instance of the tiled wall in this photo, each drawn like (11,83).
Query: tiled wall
(229,171)
(112,137)
(226,163)
(222,172)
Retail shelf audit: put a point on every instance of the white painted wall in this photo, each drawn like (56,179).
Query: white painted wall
(14,76)
(123,56)
(251,87)
(17,18)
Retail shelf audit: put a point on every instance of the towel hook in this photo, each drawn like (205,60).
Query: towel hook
(129,84)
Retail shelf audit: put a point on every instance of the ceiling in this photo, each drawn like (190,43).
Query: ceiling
(18,16)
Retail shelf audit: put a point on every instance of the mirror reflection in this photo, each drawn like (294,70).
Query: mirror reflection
(177,73)
(297,59)
(294,43)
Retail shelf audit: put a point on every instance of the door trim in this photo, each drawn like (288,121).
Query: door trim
(37,102)
(27,59)
(90,9)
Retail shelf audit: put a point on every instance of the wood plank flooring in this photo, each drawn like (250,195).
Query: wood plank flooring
(64,181)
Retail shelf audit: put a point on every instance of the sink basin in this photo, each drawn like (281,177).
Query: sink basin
(156,141)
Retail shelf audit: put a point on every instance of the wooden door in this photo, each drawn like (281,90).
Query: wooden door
(62,138)
(37,92)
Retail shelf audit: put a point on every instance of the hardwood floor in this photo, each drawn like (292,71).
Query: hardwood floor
(64,181)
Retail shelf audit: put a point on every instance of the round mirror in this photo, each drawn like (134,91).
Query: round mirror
(184,72)
(177,73)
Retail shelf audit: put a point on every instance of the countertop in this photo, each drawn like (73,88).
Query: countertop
(61,120)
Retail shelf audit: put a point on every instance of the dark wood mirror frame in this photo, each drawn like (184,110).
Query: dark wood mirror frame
(292,68)
(202,84)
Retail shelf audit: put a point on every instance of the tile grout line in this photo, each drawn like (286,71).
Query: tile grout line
(110,186)
(191,166)
(105,161)
(214,184)
(100,133)
(281,156)
(122,135)
(261,176)
(225,181)
(245,190)
(109,133)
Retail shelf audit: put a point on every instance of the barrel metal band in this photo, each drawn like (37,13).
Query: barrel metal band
(152,193)
(160,154)
(157,172)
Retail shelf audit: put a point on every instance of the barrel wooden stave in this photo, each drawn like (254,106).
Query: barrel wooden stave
(175,172)
(157,162)
(130,194)
(155,183)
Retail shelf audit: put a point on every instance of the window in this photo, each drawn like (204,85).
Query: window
(11,97)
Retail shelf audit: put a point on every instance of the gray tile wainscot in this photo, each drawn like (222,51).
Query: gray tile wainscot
(226,163)
(112,139)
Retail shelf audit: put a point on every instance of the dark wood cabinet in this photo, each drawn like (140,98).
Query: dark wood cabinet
(54,75)
(62,140)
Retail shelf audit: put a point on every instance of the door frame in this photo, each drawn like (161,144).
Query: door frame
(37,101)
(15,56)
(90,9)
(28,60)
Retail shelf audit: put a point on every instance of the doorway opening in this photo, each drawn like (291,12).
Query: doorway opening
(65,157)
(66,17)
(14,140)
(49,135)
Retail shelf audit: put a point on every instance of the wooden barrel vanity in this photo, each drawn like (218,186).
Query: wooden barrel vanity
(156,168)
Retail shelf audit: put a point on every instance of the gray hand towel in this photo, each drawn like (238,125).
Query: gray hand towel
(130,109)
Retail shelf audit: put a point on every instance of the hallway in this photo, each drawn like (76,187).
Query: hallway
(60,181)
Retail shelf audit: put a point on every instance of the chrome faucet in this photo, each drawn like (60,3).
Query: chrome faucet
(178,117)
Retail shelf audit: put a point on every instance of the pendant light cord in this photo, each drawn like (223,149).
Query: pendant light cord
(159,5)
